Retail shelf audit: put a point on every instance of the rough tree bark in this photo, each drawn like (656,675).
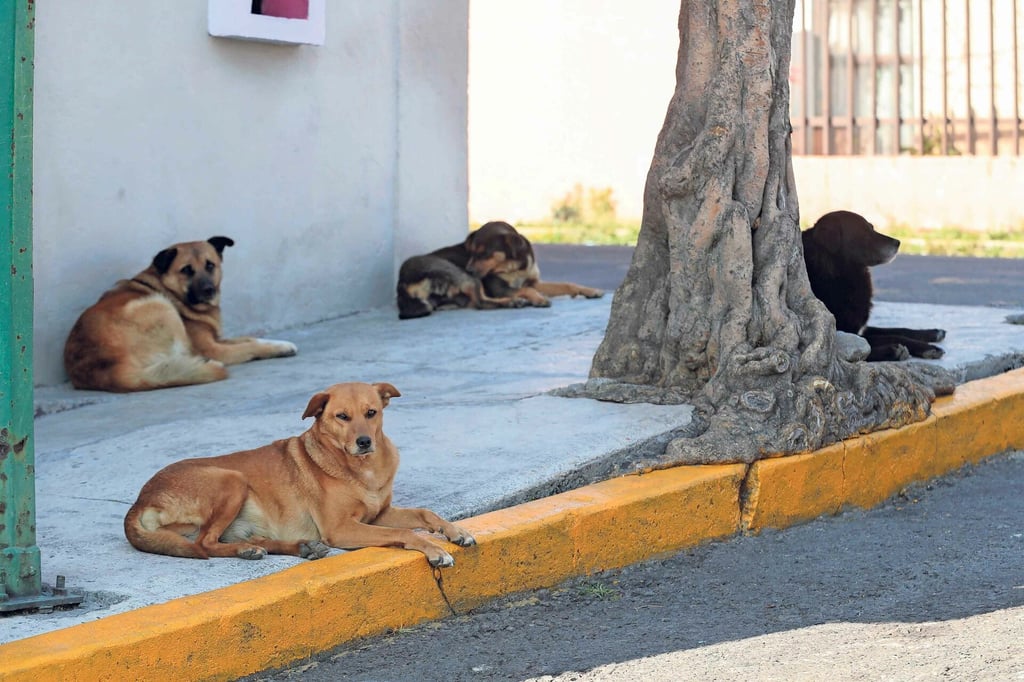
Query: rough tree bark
(716,309)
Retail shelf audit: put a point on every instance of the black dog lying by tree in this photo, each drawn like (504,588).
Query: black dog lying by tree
(838,251)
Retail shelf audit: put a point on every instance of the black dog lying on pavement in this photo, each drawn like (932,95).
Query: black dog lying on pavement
(838,251)
(493,268)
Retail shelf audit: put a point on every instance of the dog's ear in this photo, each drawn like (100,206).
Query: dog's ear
(828,234)
(220,243)
(316,405)
(162,261)
(517,247)
(387,392)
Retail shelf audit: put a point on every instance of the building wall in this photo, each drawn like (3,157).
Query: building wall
(564,92)
(433,110)
(971,192)
(575,91)
(326,165)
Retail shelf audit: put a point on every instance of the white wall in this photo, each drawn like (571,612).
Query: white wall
(564,92)
(433,174)
(575,91)
(971,192)
(325,164)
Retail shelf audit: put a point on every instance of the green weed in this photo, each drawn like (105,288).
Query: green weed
(592,589)
(943,241)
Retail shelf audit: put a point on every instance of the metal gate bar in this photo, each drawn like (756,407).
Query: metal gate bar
(942,111)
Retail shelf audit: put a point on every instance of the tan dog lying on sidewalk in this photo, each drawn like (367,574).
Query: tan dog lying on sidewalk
(162,327)
(329,487)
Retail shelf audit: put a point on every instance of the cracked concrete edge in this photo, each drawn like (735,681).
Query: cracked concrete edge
(981,418)
(283,618)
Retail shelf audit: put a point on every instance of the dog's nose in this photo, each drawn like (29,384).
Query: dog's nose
(363,442)
(202,290)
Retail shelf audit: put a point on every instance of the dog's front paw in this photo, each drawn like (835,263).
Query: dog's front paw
(281,349)
(937,334)
(890,352)
(313,550)
(252,553)
(899,352)
(932,353)
(461,537)
(587,292)
(440,559)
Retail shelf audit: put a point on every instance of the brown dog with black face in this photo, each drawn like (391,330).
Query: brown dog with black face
(838,250)
(329,487)
(162,327)
(493,268)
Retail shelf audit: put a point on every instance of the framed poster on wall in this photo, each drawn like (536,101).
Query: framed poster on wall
(298,22)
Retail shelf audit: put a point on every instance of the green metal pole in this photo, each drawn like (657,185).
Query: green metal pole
(19,556)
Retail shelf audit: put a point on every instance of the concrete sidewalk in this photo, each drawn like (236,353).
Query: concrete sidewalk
(474,426)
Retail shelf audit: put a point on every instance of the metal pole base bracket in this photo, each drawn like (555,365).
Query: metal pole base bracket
(47,599)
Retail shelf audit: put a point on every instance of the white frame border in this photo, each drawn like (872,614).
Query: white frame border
(234,19)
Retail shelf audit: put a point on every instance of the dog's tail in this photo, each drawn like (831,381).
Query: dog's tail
(143,529)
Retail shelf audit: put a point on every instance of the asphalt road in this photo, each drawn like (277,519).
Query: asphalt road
(928,586)
(908,279)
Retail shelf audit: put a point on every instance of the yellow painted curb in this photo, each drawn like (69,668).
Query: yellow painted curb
(606,525)
(981,418)
(788,490)
(314,606)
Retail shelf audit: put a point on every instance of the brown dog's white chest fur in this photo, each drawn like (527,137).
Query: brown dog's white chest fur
(349,478)
(162,327)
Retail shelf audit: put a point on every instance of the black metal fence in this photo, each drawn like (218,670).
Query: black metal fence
(885,77)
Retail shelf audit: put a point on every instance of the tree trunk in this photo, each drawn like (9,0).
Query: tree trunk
(716,309)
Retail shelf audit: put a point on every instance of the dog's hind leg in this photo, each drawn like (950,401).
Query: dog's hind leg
(567,289)
(886,352)
(535,298)
(915,341)
(143,526)
(414,299)
(925,335)
(906,348)
(413,308)
(215,537)
(237,351)
(176,370)
(191,526)
(307,549)
(479,298)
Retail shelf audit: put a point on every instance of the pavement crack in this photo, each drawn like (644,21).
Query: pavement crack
(747,498)
(99,499)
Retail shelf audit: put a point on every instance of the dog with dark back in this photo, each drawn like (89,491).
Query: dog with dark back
(838,252)
(493,267)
